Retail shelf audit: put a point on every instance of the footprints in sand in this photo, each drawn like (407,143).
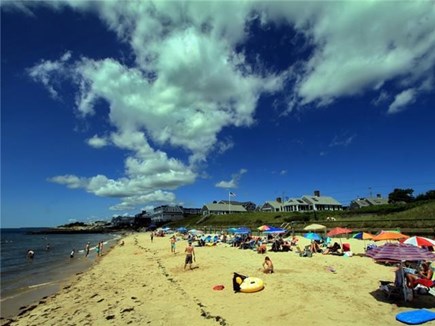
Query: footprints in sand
(175,284)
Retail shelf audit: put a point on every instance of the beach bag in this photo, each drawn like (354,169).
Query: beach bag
(237,280)
(306,253)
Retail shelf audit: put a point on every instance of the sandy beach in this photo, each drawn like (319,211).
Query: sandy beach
(143,283)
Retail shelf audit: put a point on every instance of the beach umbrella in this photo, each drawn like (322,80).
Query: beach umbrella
(315,227)
(389,235)
(195,231)
(338,231)
(263,228)
(312,236)
(275,230)
(242,230)
(420,241)
(363,236)
(182,229)
(231,230)
(400,252)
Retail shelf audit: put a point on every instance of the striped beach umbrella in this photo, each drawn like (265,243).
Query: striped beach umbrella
(400,252)
(420,241)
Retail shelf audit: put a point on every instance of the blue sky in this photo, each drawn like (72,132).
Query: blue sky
(109,108)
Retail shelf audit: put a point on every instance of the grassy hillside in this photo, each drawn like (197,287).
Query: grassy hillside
(411,217)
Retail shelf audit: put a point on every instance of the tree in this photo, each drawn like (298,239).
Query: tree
(429,195)
(401,195)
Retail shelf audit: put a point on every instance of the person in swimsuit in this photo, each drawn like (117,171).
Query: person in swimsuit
(425,273)
(87,248)
(30,254)
(267,265)
(190,255)
(173,241)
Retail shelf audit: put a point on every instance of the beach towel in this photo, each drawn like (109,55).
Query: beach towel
(415,317)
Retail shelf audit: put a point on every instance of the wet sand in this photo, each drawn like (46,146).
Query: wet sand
(144,283)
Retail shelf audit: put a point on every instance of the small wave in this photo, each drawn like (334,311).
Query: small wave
(38,285)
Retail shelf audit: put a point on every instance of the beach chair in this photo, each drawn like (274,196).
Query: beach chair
(397,289)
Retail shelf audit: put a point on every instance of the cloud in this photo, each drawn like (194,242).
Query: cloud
(356,48)
(342,141)
(234,182)
(159,196)
(190,80)
(401,100)
(49,73)
(97,142)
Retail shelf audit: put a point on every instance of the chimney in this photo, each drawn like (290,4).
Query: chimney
(278,199)
(317,193)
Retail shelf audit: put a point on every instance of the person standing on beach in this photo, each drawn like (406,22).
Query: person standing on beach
(190,255)
(87,248)
(97,249)
(173,241)
(100,245)
(152,236)
(71,255)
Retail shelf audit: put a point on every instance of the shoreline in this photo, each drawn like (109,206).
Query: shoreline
(26,299)
(144,283)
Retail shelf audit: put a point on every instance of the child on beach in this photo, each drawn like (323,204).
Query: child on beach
(267,265)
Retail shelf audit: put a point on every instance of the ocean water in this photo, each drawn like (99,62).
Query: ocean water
(22,278)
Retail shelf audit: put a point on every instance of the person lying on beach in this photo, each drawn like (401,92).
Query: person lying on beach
(332,249)
(267,265)
(314,247)
(190,255)
(425,273)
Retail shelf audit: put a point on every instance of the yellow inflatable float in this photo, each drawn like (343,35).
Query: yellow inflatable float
(251,284)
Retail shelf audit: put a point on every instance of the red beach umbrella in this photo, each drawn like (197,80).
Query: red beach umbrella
(338,231)
(420,241)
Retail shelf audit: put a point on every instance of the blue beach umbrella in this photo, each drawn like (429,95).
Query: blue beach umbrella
(182,229)
(275,230)
(312,236)
(242,230)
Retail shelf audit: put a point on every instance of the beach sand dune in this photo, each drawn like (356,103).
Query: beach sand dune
(144,283)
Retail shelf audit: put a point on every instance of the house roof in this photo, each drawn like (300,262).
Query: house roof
(360,202)
(295,201)
(224,207)
(274,203)
(320,200)
(377,201)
